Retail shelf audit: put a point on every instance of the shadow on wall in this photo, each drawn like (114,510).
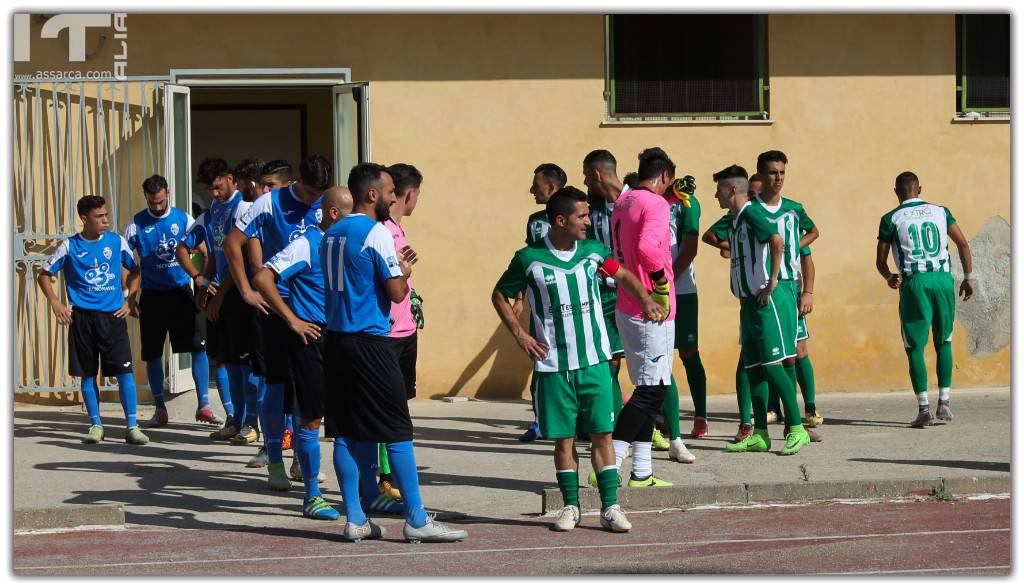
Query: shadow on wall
(509,373)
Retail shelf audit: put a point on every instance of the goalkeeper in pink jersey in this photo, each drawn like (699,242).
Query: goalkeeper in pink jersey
(640,232)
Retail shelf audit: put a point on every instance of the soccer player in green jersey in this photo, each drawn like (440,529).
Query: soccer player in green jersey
(767,331)
(918,234)
(570,348)
(548,178)
(603,189)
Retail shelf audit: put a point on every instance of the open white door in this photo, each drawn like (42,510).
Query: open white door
(351,128)
(177,125)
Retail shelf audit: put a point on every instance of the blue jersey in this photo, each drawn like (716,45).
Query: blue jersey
(299,265)
(92,270)
(357,255)
(212,227)
(155,238)
(276,219)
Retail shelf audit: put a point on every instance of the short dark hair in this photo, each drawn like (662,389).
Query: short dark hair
(653,161)
(599,157)
(733,171)
(552,173)
(905,182)
(563,202)
(405,176)
(154,184)
(277,167)
(212,168)
(316,171)
(768,156)
(250,170)
(362,178)
(89,203)
(631,179)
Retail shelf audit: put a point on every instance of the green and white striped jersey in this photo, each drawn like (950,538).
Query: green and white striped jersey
(600,229)
(749,256)
(684,221)
(918,231)
(791,221)
(565,302)
(537,227)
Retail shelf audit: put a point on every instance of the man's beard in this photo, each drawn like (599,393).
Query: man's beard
(383,210)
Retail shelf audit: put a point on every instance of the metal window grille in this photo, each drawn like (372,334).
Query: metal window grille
(983,62)
(687,65)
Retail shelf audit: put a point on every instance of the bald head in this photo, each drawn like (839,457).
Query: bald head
(336,204)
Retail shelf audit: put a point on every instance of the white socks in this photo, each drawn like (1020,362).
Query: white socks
(922,398)
(642,460)
(621,447)
(944,394)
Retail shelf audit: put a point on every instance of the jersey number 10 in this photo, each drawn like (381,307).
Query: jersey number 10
(927,236)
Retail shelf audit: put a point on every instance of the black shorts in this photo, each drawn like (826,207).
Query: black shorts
(366,393)
(169,311)
(272,356)
(306,388)
(94,336)
(259,366)
(405,347)
(228,337)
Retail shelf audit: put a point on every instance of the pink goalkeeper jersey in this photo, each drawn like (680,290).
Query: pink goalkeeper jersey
(643,243)
(403,324)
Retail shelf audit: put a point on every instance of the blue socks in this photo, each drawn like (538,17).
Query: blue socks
(403,469)
(289,422)
(155,372)
(126,389)
(237,388)
(224,390)
(253,401)
(91,396)
(201,376)
(307,449)
(365,453)
(272,417)
(348,479)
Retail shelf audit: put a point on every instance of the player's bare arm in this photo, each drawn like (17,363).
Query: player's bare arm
(807,284)
(809,237)
(721,244)
(775,245)
(134,283)
(535,349)
(265,281)
(687,253)
(963,248)
(233,244)
(62,311)
(882,265)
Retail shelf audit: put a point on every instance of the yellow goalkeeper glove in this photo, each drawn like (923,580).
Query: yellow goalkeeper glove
(661,295)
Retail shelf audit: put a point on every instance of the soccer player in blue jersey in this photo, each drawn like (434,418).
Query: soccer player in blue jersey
(91,261)
(276,219)
(166,304)
(306,390)
(364,276)
(227,317)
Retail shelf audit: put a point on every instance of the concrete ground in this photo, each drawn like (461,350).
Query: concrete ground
(472,466)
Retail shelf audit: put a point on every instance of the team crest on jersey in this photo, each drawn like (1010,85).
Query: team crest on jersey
(107,252)
(319,214)
(299,229)
(174,229)
(591,270)
(99,275)
(165,248)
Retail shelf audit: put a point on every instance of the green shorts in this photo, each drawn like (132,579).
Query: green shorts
(608,299)
(768,333)
(686,321)
(801,328)
(575,401)
(927,303)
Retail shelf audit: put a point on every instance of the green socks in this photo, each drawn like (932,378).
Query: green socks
(759,396)
(785,385)
(382,459)
(569,484)
(698,381)
(616,389)
(918,370)
(743,394)
(944,364)
(670,410)
(608,486)
(805,377)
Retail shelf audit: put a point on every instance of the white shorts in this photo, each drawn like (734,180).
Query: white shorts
(649,348)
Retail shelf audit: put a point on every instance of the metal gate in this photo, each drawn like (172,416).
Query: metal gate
(72,139)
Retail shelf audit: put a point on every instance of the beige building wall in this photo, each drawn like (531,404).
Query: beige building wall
(477,101)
